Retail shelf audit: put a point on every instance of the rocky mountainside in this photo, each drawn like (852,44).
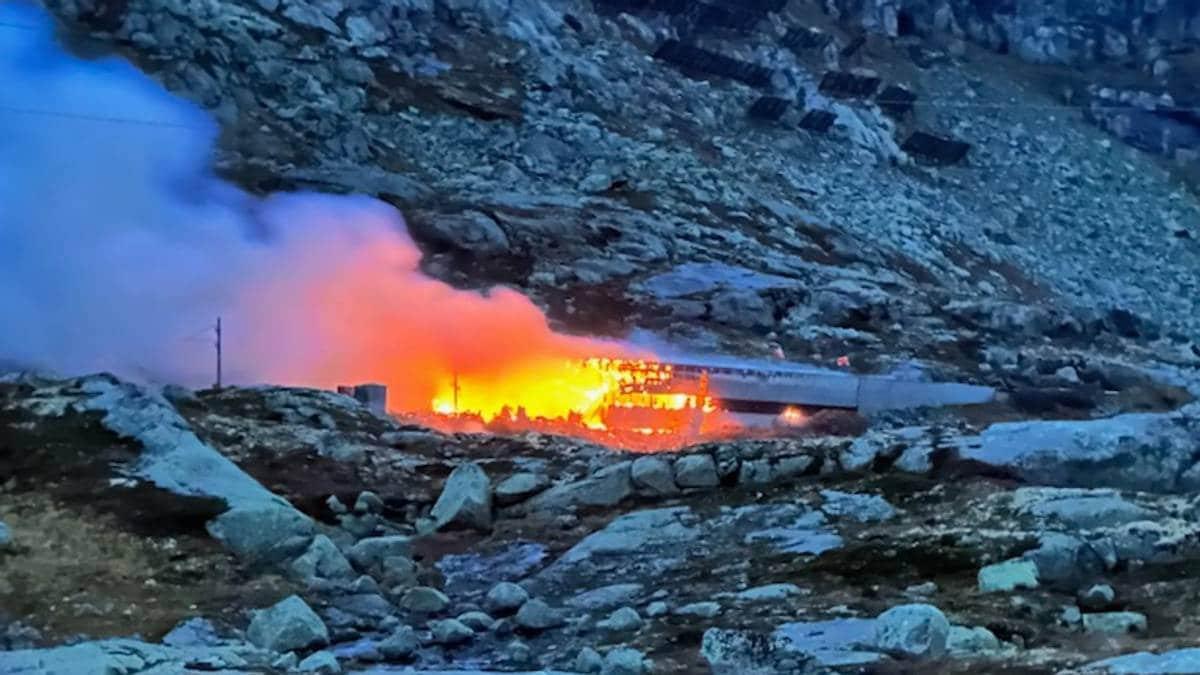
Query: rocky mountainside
(996,192)
(544,145)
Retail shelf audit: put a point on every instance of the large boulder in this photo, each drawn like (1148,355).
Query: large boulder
(263,533)
(466,499)
(607,487)
(519,487)
(1176,662)
(323,560)
(858,507)
(536,615)
(653,474)
(288,625)
(915,631)
(1008,576)
(1146,452)
(696,471)
(505,598)
(106,657)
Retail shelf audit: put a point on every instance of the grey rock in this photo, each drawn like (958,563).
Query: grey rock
(518,652)
(1176,662)
(1115,622)
(288,661)
(265,533)
(479,622)
(306,15)
(696,471)
(424,600)
(607,487)
(917,631)
(362,32)
(536,615)
(466,499)
(862,453)
(916,459)
(831,644)
(606,597)
(368,606)
(450,632)
(589,661)
(963,642)
(323,560)
(519,487)
(504,598)
(1008,576)
(770,593)
(401,645)
(1063,560)
(288,625)
(336,506)
(922,589)
(1097,597)
(399,572)
(368,555)
(653,475)
(1146,452)
(260,527)
(702,610)
(623,620)
(470,231)
(596,182)
(764,471)
(194,632)
(368,502)
(733,652)
(126,656)
(742,308)
(320,662)
(1078,508)
(623,661)
(862,508)
(178,395)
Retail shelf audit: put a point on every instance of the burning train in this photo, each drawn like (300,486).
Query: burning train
(650,404)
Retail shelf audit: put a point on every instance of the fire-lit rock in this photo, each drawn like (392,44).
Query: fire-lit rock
(466,499)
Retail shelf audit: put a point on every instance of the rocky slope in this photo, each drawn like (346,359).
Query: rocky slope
(1030,547)
(652,200)
(544,145)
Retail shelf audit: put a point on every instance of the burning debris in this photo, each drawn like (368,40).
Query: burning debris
(652,405)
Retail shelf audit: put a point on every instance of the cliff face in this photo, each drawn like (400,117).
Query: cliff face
(1076,32)
(1142,81)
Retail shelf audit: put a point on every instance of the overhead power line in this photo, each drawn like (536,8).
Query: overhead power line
(112,119)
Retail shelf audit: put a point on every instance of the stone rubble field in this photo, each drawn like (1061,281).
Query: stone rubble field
(476,554)
(541,144)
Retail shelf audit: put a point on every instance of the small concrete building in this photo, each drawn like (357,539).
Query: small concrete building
(374,396)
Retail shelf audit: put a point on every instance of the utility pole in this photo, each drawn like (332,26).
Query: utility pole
(218,352)
(456,391)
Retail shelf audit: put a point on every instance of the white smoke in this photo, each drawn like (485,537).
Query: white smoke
(118,249)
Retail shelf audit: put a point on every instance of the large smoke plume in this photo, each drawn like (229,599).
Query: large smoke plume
(119,248)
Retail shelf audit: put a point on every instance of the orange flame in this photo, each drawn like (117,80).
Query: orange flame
(349,305)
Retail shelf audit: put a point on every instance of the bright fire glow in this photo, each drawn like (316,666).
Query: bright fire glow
(635,403)
(342,301)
